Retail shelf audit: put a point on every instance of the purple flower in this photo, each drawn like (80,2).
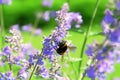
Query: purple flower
(64,24)
(46,16)
(47,3)
(31,59)
(108,17)
(1,1)
(106,27)
(16,26)
(65,18)
(53,14)
(89,50)
(48,49)
(76,18)
(7,50)
(115,35)
(118,57)
(40,62)
(15,40)
(100,55)
(6,2)
(118,5)
(9,76)
(51,42)
(23,74)
(37,32)
(27,28)
(17,60)
(101,76)
(44,73)
(91,72)
(28,49)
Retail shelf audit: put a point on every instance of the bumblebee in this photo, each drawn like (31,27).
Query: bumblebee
(63,46)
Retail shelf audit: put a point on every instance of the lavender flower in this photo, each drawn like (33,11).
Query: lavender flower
(46,16)
(9,2)
(47,3)
(102,60)
(26,55)
(27,28)
(16,26)
(118,5)
(107,21)
(51,43)
(37,32)
(43,71)
(28,49)
(7,76)
(66,19)
(89,51)
(22,74)
(91,72)
(7,50)
(108,17)
(104,56)
(53,14)
(15,40)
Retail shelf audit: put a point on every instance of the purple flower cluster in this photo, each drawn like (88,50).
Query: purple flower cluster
(29,28)
(50,44)
(103,59)
(7,76)
(64,21)
(6,2)
(45,15)
(17,54)
(47,3)
(26,57)
(105,55)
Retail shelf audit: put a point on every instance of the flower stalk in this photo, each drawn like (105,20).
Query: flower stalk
(2,26)
(87,35)
(35,66)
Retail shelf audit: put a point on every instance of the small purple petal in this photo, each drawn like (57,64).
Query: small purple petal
(7,50)
(91,72)
(40,62)
(89,51)
(27,28)
(38,32)
(118,5)
(47,3)
(108,17)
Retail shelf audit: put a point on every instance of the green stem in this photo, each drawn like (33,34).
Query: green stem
(2,26)
(35,66)
(3,33)
(10,65)
(87,33)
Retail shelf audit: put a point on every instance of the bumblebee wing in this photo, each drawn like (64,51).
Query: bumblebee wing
(72,48)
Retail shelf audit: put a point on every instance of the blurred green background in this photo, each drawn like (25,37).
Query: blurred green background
(23,12)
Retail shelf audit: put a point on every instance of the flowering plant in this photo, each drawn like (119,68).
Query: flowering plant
(23,61)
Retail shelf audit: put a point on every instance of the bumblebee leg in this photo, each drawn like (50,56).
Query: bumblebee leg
(62,58)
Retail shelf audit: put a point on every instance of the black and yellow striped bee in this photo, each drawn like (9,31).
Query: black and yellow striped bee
(63,47)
